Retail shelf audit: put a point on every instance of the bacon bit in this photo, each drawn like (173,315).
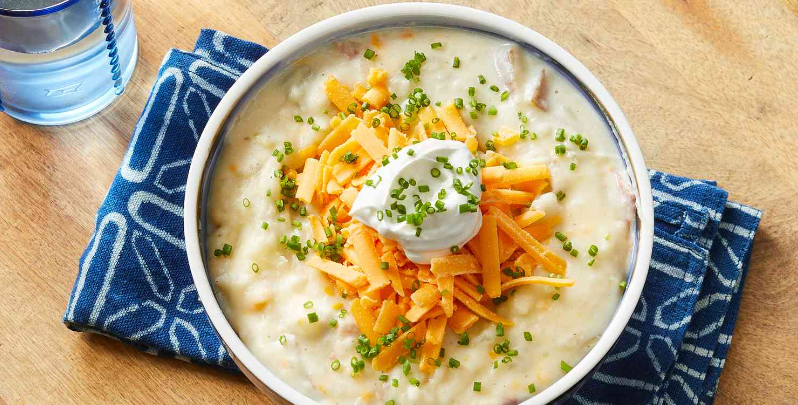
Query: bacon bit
(541,91)
(348,48)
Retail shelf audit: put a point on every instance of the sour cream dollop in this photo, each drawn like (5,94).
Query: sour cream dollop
(428,228)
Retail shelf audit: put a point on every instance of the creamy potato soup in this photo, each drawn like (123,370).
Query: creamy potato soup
(419,216)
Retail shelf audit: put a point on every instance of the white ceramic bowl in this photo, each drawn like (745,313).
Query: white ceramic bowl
(397,15)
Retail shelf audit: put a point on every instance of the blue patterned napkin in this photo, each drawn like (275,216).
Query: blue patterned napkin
(134,285)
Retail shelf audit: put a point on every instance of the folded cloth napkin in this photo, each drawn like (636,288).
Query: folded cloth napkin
(134,284)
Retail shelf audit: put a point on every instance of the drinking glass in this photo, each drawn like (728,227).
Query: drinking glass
(64,60)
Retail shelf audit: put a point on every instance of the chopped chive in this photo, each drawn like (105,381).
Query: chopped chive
(559,136)
(415,381)
(560,196)
(435,172)
(264,225)
(384,377)
(575,253)
(308,305)
(247,203)
(500,329)
(531,388)
(454,249)
(565,366)
(477,386)
(472,91)
(463,340)
(492,110)
(555,297)
(567,246)
(593,251)
(559,150)
(335,365)
(411,152)
(313,317)
(560,236)
(394,383)
(622,285)
(369,54)
(298,118)
(453,363)
(482,79)
(458,103)
(283,340)
(333,323)
(436,45)
(494,88)
(456,62)
(527,336)
(473,115)
(505,95)
(255,268)
(591,262)
(384,265)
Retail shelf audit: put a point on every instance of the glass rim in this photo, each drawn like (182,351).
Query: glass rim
(54,8)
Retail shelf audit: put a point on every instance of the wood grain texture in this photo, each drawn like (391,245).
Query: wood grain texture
(708,85)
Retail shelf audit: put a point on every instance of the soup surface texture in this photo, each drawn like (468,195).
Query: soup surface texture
(545,164)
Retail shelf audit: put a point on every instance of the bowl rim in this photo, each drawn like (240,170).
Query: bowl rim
(470,18)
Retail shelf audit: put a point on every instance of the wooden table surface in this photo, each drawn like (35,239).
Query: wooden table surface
(709,87)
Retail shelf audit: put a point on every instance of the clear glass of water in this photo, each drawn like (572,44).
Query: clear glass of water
(64,60)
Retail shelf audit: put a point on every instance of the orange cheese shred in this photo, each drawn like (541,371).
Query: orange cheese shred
(436,328)
(529,217)
(426,296)
(340,95)
(454,265)
(393,273)
(307,181)
(367,257)
(502,196)
(416,312)
(339,134)
(452,120)
(337,270)
(446,287)
(467,288)
(489,252)
(480,310)
(367,138)
(550,281)
(364,319)
(387,316)
(462,320)
(545,257)
(386,359)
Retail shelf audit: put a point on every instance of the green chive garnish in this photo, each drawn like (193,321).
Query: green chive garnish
(369,54)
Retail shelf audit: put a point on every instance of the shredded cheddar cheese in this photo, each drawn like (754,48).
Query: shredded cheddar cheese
(388,294)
